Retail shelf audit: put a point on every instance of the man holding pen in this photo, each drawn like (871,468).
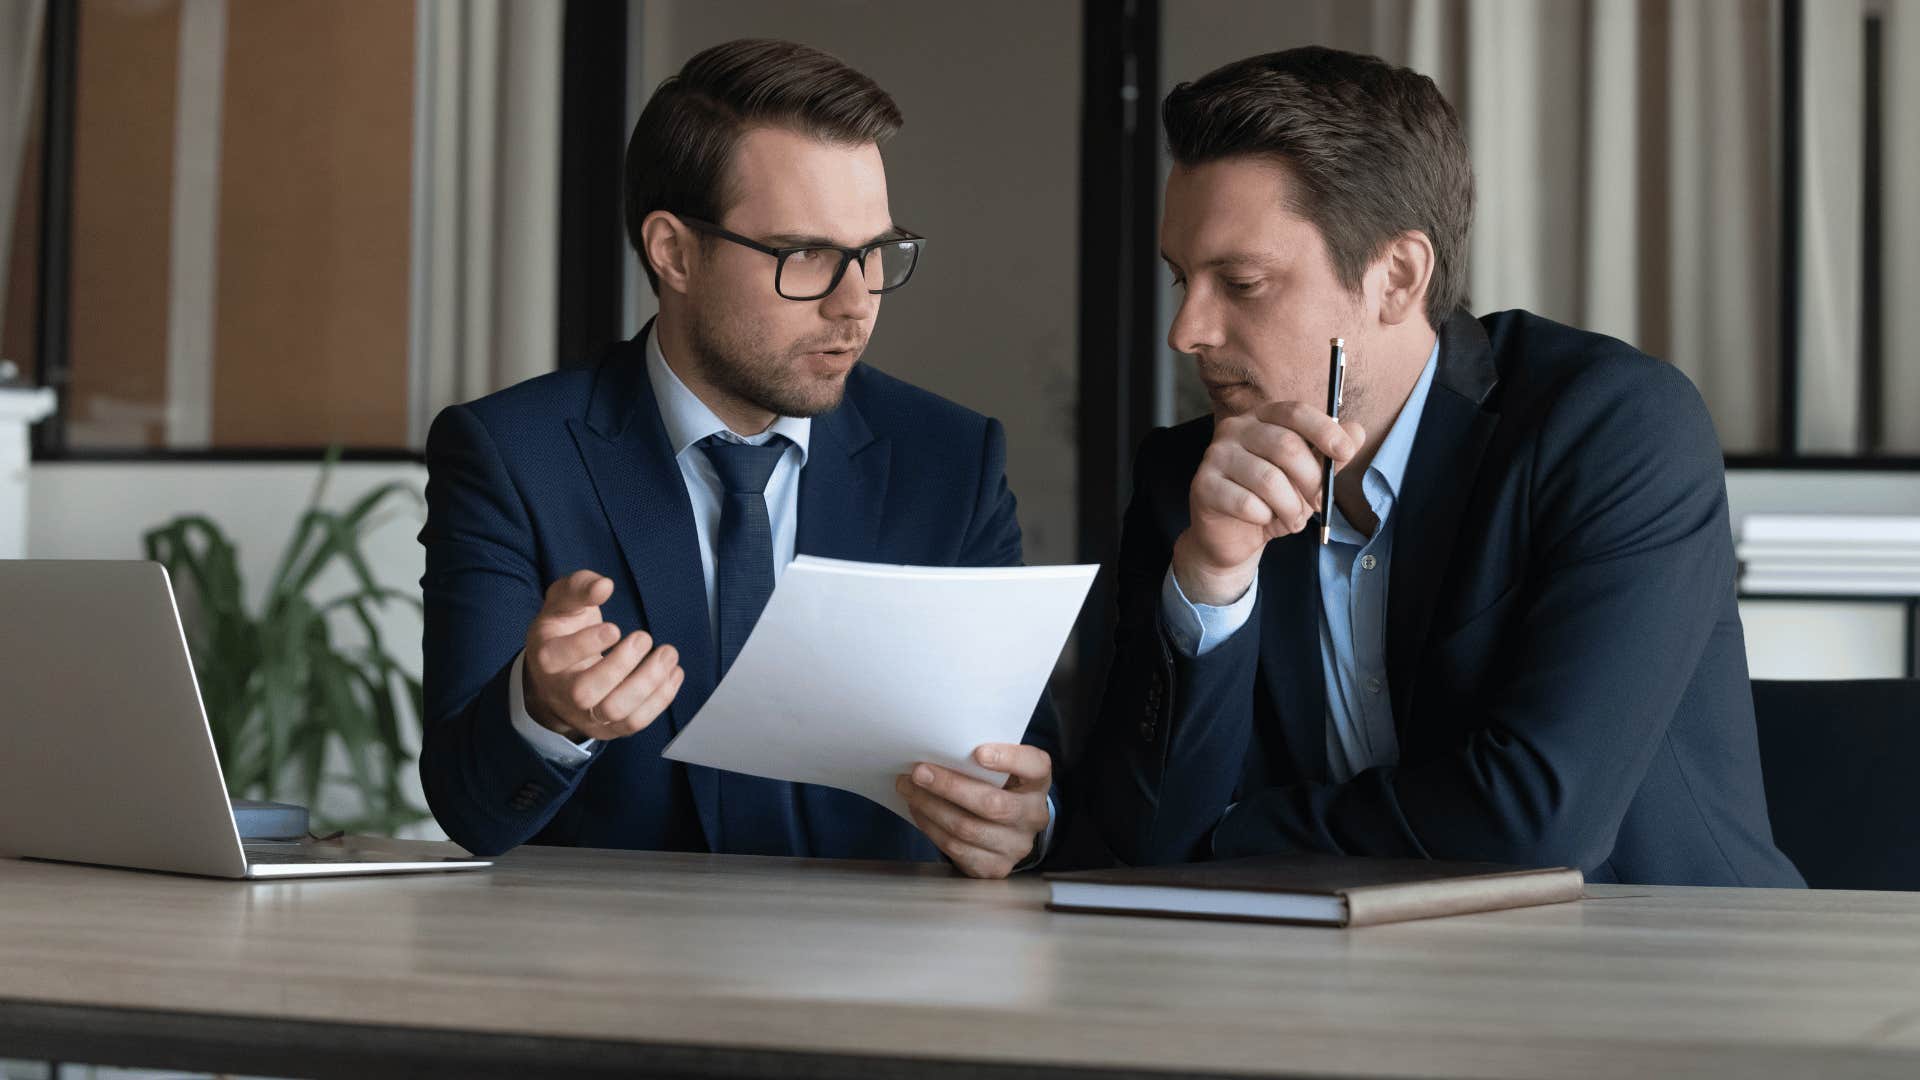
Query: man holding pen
(1520,643)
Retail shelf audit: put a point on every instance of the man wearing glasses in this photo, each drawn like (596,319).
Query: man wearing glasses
(600,543)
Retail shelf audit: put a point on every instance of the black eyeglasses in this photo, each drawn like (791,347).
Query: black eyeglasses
(812,271)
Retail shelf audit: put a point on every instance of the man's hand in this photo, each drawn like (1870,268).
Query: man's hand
(581,678)
(985,830)
(1259,481)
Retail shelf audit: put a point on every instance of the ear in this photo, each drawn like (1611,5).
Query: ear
(670,249)
(1405,269)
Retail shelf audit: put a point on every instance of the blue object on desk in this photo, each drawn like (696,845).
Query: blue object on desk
(258,820)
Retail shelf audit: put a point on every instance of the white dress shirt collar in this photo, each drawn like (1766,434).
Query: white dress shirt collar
(688,419)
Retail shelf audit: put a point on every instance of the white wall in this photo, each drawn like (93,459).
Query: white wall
(87,510)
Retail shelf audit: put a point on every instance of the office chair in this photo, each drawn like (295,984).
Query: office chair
(1841,762)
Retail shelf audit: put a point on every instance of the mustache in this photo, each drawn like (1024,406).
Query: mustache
(1216,373)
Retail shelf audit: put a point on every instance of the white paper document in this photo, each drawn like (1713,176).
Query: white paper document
(855,671)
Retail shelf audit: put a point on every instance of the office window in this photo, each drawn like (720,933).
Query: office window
(240,215)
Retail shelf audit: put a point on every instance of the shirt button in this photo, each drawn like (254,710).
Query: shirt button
(1373,684)
(1368,562)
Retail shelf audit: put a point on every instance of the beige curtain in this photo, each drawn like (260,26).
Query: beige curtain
(1625,153)
(20,22)
(486,199)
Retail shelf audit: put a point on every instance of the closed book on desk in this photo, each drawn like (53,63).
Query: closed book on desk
(1327,890)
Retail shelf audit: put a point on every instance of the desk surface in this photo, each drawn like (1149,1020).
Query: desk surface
(748,966)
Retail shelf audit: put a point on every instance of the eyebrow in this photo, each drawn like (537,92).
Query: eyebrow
(1246,259)
(891,232)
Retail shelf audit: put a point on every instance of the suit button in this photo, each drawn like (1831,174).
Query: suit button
(1146,731)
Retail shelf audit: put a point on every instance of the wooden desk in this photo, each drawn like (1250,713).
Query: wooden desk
(601,963)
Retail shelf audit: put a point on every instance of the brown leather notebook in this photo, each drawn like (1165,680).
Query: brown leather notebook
(1323,890)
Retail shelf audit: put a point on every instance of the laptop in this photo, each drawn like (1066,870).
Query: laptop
(105,752)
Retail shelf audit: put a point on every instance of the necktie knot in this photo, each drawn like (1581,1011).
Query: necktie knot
(743,468)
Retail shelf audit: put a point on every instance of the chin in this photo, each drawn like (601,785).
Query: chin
(819,396)
(1232,401)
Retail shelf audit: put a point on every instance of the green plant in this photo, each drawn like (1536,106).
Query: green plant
(282,695)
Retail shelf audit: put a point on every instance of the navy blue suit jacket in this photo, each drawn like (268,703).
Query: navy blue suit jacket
(1567,669)
(573,470)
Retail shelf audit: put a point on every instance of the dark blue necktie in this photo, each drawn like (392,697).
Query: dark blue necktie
(743,553)
(758,816)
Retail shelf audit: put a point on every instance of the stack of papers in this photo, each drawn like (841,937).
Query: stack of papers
(857,671)
(1828,555)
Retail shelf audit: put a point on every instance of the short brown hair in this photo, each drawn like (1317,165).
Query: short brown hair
(677,158)
(1374,150)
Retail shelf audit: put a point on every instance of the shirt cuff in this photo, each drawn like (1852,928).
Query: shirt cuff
(1039,853)
(1197,629)
(547,742)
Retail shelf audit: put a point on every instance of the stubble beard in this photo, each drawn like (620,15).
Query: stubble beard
(739,361)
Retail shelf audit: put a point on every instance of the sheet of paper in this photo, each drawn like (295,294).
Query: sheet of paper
(856,671)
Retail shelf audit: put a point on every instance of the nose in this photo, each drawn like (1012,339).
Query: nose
(850,298)
(1195,327)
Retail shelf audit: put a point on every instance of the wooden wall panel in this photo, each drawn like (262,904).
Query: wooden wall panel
(122,203)
(316,165)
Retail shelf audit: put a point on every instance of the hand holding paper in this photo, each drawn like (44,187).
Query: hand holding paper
(985,830)
(856,673)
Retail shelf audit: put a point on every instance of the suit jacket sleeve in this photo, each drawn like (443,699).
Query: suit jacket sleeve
(1171,735)
(1631,570)
(486,785)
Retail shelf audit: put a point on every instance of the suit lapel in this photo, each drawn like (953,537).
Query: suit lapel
(1440,476)
(1290,649)
(842,486)
(624,444)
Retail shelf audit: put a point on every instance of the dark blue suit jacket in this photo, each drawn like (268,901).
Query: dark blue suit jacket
(1564,651)
(573,470)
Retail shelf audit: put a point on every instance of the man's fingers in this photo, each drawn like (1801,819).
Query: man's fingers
(640,685)
(649,708)
(1311,423)
(562,654)
(1027,767)
(1285,450)
(1213,491)
(589,687)
(580,589)
(977,797)
(572,603)
(938,819)
(1289,482)
(969,860)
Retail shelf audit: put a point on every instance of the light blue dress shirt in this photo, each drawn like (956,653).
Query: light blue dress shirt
(1353,607)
